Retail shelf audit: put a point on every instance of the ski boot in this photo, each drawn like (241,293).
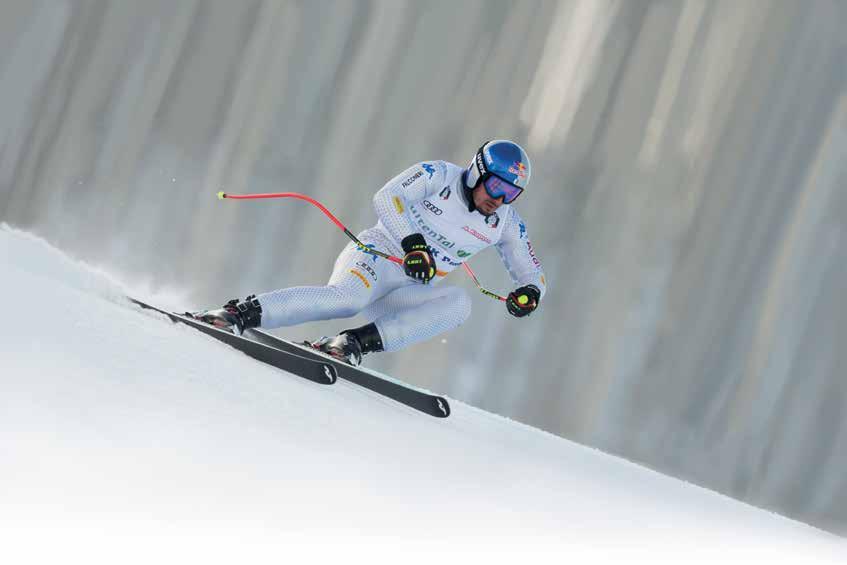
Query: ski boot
(234,316)
(350,345)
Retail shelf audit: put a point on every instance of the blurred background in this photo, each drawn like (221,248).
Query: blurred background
(688,196)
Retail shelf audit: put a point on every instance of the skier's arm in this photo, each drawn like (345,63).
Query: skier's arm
(417,182)
(519,257)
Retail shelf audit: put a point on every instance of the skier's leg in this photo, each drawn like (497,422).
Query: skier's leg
(416,312)
(356,281)
(299,304)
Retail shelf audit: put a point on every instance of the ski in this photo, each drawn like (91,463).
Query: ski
(400,392)
(313,365)
(317,370)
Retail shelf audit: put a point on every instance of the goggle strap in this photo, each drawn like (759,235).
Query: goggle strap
(480,159)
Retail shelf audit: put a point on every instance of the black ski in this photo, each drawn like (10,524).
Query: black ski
(428,403)
(316,370)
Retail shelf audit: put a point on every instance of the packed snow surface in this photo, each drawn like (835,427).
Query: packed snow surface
(126,438)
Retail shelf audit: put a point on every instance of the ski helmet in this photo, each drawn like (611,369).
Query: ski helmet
(502,166)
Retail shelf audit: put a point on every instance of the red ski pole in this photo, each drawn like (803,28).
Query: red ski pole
(223,195)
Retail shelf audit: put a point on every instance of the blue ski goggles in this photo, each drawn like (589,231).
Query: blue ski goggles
(496,187)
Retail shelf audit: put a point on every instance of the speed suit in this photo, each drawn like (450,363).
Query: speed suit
(428,198)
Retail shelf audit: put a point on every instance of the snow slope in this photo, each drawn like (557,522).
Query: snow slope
(126,438)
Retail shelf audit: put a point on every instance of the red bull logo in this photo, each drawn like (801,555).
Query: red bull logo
(519,169)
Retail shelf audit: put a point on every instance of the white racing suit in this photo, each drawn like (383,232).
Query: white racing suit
(427,198)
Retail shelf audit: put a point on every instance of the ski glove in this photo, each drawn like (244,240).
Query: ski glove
(418,262)
(523,301)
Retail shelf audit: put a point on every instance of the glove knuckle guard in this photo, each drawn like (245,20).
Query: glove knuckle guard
(418,262)
(530,295)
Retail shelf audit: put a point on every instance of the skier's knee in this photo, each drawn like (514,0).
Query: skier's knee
(349,303)
(461,303)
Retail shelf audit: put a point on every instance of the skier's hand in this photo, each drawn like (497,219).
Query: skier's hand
(523,301)
(418,262)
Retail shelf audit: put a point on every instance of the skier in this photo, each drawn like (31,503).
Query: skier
(439,215)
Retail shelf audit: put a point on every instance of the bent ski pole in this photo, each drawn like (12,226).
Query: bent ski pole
(223,195)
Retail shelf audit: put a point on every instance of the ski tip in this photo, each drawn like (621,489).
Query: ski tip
(221,195)
(330,373)
(442,407)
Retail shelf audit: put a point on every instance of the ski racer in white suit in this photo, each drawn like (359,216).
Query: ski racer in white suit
(436,216)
